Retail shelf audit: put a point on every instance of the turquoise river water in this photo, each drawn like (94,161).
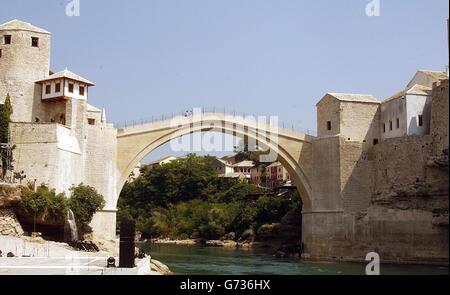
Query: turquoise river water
(196,260)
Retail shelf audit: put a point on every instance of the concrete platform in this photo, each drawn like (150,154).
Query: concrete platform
(70,265)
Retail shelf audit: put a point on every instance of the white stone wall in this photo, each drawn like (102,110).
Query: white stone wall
(47,153)
(53,93)
(418,105)
(391,111)
(76,91)
(407,110)
(100,162)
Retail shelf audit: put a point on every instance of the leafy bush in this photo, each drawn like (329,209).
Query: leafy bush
(84,202)
(269,231)
(35,203)
(57,207)
(45,203)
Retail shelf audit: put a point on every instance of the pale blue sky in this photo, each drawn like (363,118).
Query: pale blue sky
(264,57)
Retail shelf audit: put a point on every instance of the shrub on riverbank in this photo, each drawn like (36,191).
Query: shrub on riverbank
(84,201)
(45,210)
(43,204)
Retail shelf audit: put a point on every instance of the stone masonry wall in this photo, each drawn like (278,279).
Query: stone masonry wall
(21,65)
(360,122)
(402,165)
(328,109)
(326,182)
(9,225)
(355,121)
(355,176)
(439,126)
(394,202)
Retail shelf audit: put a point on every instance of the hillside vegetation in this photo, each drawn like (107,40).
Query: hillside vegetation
(186,199)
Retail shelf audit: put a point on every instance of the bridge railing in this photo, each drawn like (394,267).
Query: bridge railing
(213,110)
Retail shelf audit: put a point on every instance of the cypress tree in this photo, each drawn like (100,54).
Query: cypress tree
(5,119)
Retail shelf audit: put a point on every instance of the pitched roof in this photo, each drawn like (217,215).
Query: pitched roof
(427,78)
(438,75)
(413,90)
(233,175)
(171,158)
(69,75)
(229,156)
(224,162)
(244,164)
(274,164)
(15,24)
(351,97)
(91,108)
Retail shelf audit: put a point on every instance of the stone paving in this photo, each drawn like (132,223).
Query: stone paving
(70,265)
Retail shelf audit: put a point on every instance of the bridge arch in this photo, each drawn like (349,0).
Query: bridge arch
(294,149)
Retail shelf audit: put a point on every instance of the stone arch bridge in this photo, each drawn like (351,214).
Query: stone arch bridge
(315,165)
(293,149)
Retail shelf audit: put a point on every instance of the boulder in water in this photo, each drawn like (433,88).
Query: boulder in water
(159,267)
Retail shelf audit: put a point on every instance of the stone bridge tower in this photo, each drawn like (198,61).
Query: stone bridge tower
(24,59)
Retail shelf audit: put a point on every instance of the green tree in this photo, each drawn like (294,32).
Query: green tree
(5,119)
(35,203)
(84,202)
(45,204)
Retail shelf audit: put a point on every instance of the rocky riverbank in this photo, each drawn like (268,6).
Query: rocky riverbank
(212,243)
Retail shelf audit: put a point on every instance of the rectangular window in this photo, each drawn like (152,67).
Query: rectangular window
(329,125)
(0,53)
(91,121)
(390,125)
(7,39)
(57,87)
(375,141)
(398,123)
(420,120)
(70,87)
(384,128)
(48,89)
(82,90)
(34,42)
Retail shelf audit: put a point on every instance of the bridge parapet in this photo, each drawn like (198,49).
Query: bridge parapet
(217,119)
(216,111)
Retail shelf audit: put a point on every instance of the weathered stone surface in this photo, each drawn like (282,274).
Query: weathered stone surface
(9,196)
(9,225)
(439,126)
